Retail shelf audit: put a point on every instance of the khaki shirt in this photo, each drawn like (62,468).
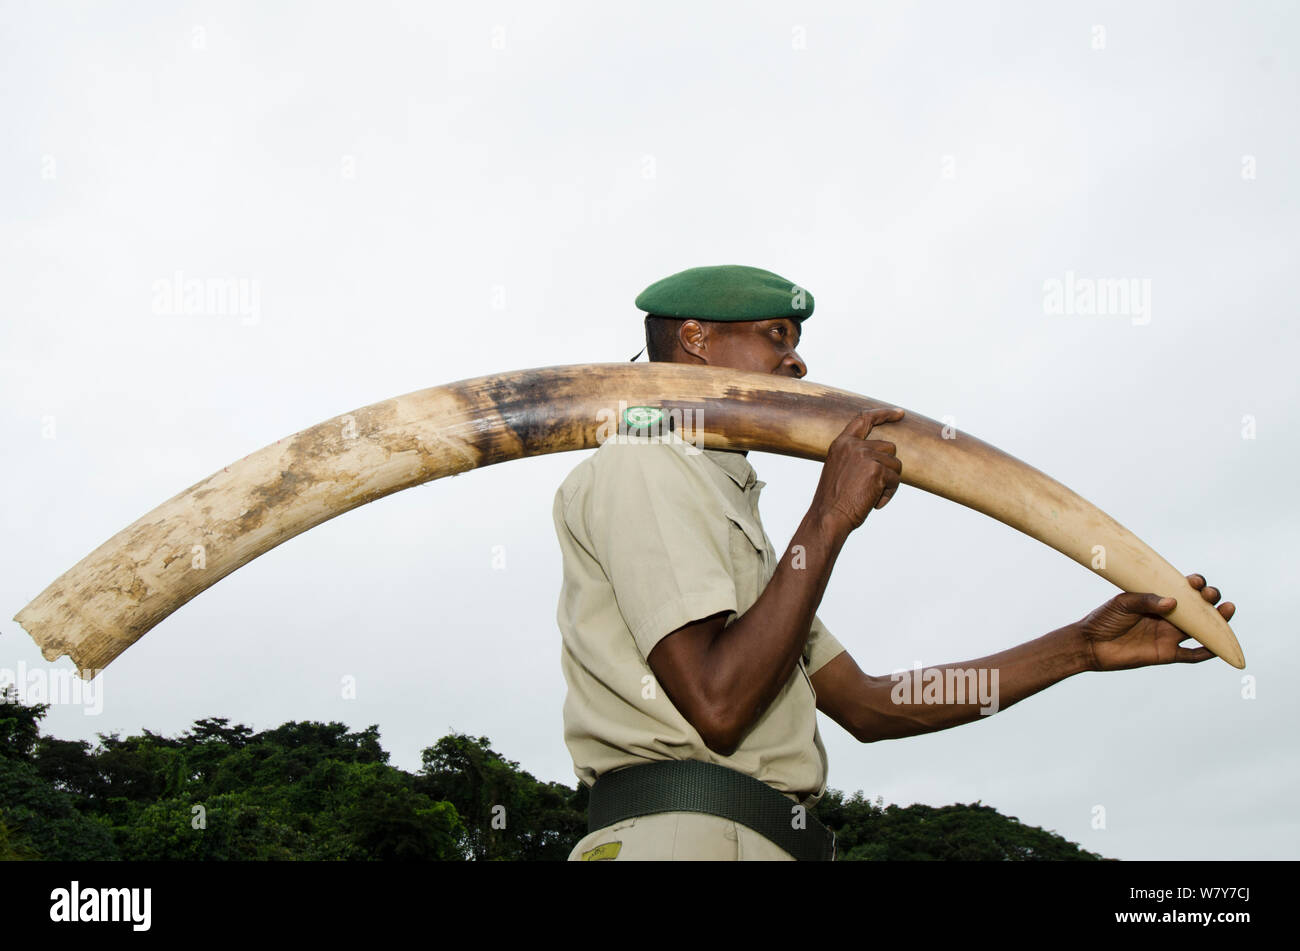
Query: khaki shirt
(654,535)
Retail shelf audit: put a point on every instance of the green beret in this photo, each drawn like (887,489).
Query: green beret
(726,292)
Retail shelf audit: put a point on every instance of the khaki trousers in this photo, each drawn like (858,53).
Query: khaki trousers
(677,836)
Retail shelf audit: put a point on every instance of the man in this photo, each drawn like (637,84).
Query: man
(695,660)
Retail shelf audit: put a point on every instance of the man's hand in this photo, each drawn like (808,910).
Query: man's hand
(1130,631)
(859,473)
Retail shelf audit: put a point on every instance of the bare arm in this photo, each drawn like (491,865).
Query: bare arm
(936,698)
(723,678)
(1125,632)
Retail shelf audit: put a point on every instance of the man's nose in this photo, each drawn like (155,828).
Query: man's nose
(795,365)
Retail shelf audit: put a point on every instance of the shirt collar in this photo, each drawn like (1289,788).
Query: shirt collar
(734,464)
(730,461)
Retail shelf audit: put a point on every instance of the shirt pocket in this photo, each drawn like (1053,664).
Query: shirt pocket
(749,558)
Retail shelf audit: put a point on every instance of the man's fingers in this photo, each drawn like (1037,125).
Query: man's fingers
(1145,603)
(1208,591)
(891,486)
(885,460)
(861,424)
(1192,655)
(880,451)
(1211,594)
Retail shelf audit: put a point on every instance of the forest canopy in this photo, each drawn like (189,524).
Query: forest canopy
(318,791)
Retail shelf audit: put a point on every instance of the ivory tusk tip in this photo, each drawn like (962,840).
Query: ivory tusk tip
(1229,650)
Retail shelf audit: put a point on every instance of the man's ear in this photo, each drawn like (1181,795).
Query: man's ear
(693,337)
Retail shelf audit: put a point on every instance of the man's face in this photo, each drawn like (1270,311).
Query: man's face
(767,346)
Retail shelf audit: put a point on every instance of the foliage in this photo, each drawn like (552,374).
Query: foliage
(301,791)
(37,819)
(867,831)
(509,815)
(315,791)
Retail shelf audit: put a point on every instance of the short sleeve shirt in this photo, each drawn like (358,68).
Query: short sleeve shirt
(656,533)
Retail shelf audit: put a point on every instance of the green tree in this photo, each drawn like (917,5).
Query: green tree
(508,814)
(38,820)
(389,820)
(866,831)
(19,725)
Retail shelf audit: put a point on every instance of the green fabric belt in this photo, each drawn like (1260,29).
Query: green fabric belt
(695,786)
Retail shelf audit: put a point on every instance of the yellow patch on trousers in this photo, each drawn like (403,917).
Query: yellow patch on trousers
(607,850)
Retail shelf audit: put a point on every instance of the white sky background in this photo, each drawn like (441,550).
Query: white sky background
(600,150)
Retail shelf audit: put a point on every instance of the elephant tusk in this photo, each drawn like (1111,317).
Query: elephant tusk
(126,586)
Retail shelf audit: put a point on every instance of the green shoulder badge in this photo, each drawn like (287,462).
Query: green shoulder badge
(639,417)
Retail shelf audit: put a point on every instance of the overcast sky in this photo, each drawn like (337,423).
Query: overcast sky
(424,193)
